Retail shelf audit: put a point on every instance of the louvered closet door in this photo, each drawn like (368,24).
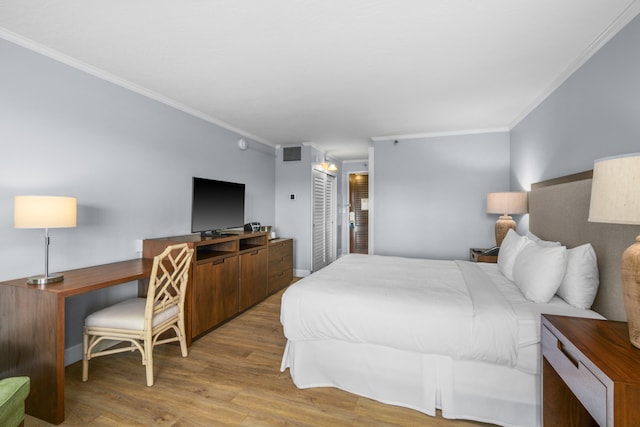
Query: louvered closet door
(324,225)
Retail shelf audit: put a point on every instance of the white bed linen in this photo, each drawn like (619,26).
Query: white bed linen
(469,390)
(412,374)
(419,305)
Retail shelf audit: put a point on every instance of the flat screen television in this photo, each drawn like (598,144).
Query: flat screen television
(216,206)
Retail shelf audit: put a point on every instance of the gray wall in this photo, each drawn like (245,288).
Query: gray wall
(595,113)
(293,216)
(430,194)
(129,161)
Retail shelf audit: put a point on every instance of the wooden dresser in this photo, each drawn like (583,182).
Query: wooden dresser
(591,373)
(229,274)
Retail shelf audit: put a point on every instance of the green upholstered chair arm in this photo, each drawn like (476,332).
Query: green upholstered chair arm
(13,392)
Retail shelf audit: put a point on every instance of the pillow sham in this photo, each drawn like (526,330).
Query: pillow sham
(581,280)
(539,241)
(538,271)
(509,250)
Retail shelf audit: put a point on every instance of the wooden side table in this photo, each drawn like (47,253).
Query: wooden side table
(590,373)
(476,255)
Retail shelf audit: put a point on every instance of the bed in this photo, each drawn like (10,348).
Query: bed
(457,336)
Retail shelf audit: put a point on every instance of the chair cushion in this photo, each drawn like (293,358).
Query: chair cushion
(13,392)
(128,314)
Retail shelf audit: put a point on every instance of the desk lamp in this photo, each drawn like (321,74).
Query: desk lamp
(615,198)
(514,202)
(44,212)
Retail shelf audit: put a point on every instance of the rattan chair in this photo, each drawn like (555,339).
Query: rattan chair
(142,321)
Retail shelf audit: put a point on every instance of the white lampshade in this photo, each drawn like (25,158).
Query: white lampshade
(44,212)
(615,190)
(505,203)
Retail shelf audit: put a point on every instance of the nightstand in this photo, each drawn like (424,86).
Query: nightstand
(475,255)
(590,373)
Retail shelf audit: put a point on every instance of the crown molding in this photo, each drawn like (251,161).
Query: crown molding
(439,134)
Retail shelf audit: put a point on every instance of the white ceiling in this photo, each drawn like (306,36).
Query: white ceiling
(337,73)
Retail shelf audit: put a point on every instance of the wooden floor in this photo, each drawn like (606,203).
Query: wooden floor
(231,378)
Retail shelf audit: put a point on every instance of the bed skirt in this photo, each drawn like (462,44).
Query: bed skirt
(425,382)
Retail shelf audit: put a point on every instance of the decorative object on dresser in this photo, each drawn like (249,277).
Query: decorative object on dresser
(144,322)
(615,198)
(44,212)
(591,373)
(506,203)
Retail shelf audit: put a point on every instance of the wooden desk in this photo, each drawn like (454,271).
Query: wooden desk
(32,329)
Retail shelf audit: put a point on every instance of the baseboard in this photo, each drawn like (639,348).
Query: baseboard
(301,273)
(72,354)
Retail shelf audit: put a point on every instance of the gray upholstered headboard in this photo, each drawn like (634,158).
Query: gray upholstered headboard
(559,211)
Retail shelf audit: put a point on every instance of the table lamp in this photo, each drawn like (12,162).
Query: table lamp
(44,212)
(505,203)
(615,198)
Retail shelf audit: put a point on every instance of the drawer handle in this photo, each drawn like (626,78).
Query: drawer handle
(254,253)
(567,354)
(220,261)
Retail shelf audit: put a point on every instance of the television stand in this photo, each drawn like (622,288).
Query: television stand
(228,275)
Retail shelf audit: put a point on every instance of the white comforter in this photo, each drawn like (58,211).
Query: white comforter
(425,306)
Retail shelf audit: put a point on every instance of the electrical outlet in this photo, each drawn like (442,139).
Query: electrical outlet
(138,245)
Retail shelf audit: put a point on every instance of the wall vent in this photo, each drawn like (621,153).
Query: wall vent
(291,154)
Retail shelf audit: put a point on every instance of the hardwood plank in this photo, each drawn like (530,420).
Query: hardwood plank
(230,378)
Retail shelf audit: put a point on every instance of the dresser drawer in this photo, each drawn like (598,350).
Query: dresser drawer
(567,362)
(280,280)
(280,264)
(281,249)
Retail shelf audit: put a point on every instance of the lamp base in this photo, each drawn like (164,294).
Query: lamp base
(43,280)
(631,290)
(503,225)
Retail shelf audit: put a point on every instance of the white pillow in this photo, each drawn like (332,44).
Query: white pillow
(580,284)
(509,250)
(541,242)
(538,271)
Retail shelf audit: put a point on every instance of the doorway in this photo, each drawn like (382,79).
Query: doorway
(359,213)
